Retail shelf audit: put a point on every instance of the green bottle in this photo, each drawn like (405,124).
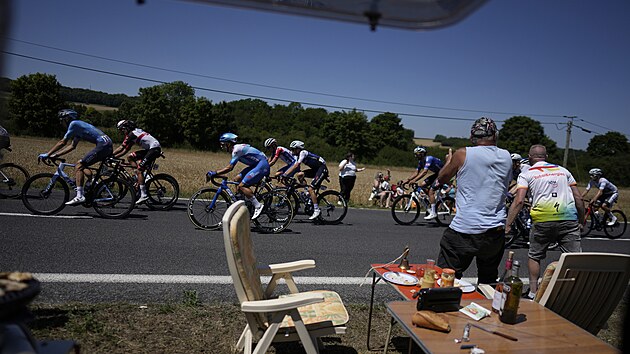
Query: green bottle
(512,290)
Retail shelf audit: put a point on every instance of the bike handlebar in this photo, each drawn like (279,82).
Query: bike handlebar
(51,161)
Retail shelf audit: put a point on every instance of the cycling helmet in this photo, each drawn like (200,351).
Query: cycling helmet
(67,115)
(126,124)
(297,144)
(483,127)
(228,138)
(595,172)
(270,142)
(419,149)
(516,157)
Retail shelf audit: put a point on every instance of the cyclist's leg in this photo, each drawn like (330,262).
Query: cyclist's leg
(146,158)
(251,177)
(99,153)
(607,203)
(318,178)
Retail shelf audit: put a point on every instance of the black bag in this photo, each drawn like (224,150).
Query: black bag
(439,299)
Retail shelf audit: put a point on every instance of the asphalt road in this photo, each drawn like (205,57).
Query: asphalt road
(160,257)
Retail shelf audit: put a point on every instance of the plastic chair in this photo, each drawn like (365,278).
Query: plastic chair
(299,316)
(586,287)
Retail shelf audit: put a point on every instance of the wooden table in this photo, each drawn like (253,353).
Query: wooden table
(405,291)
(542,331)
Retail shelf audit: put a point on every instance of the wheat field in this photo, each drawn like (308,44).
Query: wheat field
(189,168)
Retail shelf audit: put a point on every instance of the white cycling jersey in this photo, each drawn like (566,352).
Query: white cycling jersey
(602,184)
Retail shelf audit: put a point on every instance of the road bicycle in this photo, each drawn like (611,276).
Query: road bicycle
(47,193)
(521,226)
(594,220)
(12,178)
(406,208)
(162,188)
(332,204)
(208,205)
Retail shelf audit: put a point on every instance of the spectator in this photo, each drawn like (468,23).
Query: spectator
(376,186)
(348,175)
(556,209)
(385,192)
(477,230)
(397,189)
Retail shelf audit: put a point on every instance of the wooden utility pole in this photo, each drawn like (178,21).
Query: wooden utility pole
(568,141)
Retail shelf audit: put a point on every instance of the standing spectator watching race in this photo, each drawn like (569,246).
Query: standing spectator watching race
(348,175)
(477,230)
(257,168)
(317,171)
(79,130)
(151,150)
(557,211)
(607,193)
(426,164)
(279,152)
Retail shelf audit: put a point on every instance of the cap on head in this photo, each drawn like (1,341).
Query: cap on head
(483,127)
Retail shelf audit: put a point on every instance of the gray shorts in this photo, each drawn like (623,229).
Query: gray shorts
(566,233)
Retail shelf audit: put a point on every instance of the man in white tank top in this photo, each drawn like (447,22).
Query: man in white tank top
(483,174)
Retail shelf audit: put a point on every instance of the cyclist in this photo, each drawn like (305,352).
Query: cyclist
(5,140)
(317,171)
(257,168)
(279,152)
(79,130)
(426,164)
(151,150)
(607,193)
(519,164)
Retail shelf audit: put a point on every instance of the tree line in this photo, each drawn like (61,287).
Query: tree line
(178,118)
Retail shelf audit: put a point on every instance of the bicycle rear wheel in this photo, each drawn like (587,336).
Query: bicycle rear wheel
(206,208)
(276,214)
(12,179)
(333,207)
(113,198)
(406,209)
(619,228)
(445,213)
(163,191)
(41,196)
(588,226)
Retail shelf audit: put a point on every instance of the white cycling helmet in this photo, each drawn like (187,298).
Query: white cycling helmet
(297,144)
(516,157)
(270,142)
(595,172)
(419,149)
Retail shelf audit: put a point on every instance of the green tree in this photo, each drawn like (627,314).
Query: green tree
(350,131)
(519,133)
(34,103)
(204,123)
(609,144)
(390,132)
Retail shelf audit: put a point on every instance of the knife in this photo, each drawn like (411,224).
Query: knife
(495,332)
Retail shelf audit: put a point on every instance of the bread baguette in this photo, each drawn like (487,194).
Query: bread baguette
(431,320)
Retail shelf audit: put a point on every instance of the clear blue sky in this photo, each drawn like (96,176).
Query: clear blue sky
(544,59)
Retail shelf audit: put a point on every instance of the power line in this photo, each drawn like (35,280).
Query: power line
(278,87)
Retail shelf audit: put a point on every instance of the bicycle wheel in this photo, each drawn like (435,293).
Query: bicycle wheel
(12,179)
(333,206)
(619,228)
(276,214)
(113,198)
(445,213)
(206,208)
(41,196)
(163,191)
(293,198)
(588,226)
(406,209)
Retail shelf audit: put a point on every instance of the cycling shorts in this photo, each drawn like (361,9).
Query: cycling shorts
(608,199)
(318,175)
(146,157)
(103,150)
(254,174)
(429,181)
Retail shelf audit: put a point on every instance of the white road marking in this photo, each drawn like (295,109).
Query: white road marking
(605,239)
(49,216)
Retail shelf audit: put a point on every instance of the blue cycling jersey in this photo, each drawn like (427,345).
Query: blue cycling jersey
(430,163)
(80,130)
(246,154)
(309,159)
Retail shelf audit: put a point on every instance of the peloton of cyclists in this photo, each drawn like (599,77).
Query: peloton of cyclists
(426,164)
(79,130)
(607,193)
(257,168)
(282,153)
(317,171)
(151,150)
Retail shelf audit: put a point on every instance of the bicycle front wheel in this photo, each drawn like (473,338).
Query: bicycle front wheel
(277,212)
(206,208)
(618,228)
(114,198)
(444,212)
(44,196)
(12,179)
(588,226)
(333,206)
(406,209)
(163,191)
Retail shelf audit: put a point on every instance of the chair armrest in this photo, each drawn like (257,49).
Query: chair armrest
(282,304)
(287,267)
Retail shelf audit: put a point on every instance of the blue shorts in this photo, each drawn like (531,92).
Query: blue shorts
(102,151)
(254,174)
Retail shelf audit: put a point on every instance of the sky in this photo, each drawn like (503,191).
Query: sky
(539,58)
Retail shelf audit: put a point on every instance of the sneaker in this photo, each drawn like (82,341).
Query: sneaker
(76,201)
(142,199)
(612,221)
(339,202)
(315,215)
(257,211)
(528,295)
(430,216)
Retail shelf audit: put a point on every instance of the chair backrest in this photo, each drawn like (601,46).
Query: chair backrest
(241,259)
(586,287)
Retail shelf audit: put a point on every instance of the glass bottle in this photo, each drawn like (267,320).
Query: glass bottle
(497,300)
(512,290)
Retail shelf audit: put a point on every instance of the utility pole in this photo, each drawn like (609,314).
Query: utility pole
(568,141)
